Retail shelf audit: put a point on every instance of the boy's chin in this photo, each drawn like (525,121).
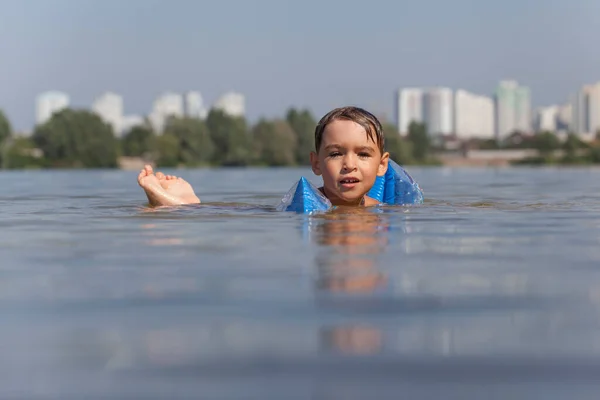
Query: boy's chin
(350,196)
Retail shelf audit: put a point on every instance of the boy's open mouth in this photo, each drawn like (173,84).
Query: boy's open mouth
(349,181)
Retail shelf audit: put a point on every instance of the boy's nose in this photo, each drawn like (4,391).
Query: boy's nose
(349,163)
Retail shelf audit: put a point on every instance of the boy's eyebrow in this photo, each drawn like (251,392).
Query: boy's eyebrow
(361,148)
(366,148)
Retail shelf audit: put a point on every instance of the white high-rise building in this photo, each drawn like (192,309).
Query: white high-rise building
(438,111)
(546,119)
(473,116)
(585,118)
(523,109)
(194,105)
(231,103)
(409,108)
(513,109)
(49,103)
(505,109)
(594,108)
(109,106)
(580,111)
(165,106)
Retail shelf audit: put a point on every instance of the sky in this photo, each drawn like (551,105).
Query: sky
(318,54)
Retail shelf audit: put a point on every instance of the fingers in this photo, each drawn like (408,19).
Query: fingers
(160,175)
(148,169)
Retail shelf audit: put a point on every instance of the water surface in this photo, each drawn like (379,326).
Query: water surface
(491,289)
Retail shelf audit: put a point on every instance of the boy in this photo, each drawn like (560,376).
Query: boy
(349,155)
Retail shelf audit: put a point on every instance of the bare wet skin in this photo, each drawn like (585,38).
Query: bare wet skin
(166,190)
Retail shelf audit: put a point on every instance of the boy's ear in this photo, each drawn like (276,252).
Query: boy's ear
(314,162)
(383,164)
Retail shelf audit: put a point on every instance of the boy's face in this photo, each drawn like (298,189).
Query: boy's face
(348,161)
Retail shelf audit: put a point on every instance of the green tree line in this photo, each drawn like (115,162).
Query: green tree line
(80,139)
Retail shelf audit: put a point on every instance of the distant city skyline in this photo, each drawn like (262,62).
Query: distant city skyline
(110,107)
(280,54)
(191,103)
(444,110)
(508,109)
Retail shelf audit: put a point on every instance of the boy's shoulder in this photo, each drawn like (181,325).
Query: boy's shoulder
(370,202)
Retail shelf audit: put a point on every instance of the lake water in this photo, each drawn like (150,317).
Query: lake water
(489,290)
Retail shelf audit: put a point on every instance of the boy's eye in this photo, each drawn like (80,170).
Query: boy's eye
(364,155)
(335,154)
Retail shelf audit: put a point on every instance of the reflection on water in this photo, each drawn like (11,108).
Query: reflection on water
(495,279)
(350,242)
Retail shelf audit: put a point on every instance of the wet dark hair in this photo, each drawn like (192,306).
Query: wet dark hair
(356,114)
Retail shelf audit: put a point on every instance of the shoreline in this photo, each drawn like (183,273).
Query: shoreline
(444,160)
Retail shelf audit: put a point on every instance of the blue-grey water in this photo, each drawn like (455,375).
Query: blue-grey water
(489,290)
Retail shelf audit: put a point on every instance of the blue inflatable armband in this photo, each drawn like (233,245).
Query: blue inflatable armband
(304,197)
(395,187)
